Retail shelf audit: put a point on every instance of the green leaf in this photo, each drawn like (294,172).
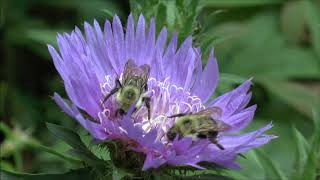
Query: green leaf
(271,59)
(237,3)
(170,14)
(6,165)
(69,136)
(187,15)
(3,96)
(310,169)
(17,139)
(232,78)
(293,94)
(86,156)
(312,163)
(108,13)
(3,6)
(293,21)
(302,147)
(272,170)
(313,21)
(118,174)
(74,140)
(77,174)
(210,41)
(262,52)
(316,135)
(161,16)
(307,161)
(206,177)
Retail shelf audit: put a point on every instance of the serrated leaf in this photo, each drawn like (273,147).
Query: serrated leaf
(161,16)
(78,174)
(186,20)
(293,94)
(118,174)
(170,14)
(206,177)
(272,170)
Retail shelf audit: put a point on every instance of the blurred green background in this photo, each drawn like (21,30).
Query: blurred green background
(275,41)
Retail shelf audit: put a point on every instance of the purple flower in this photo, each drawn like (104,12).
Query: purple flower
(89,64)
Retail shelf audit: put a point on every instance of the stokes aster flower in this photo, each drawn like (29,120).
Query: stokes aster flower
(90,65)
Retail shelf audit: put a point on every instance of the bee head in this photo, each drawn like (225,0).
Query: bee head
(172,133)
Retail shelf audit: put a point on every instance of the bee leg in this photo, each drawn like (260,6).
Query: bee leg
(179,115)
(114,90)
(147,101)
(110,94)
(214,141)
(118,83)
(243,156)
(120,112)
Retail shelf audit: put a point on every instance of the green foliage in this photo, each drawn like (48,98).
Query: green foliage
(293,94)
(243,3)
(74,140)
(78,174)
(272,170)
(176,15)
(276,42)
(17,139)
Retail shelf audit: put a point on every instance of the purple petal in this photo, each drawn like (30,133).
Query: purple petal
(130,39)
(181,145)
(168,58)
(263,139)
(161,41)
(241,119)
(149,138)
(233,100)
(110,47)
(95,129)
(204,87)
(141,40)
(238,141)
(118,36)
(150,42)
(152,162)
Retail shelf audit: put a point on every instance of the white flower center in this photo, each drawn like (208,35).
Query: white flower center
(166,100)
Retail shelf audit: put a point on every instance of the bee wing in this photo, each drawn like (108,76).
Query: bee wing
(145,71)
(221,126)
(204,128)
(214,112)
(129,69)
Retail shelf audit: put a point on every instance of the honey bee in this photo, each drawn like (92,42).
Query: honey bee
(132,88)
(200,125)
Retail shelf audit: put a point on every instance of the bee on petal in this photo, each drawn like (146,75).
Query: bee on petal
(132,88)
(200,125)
